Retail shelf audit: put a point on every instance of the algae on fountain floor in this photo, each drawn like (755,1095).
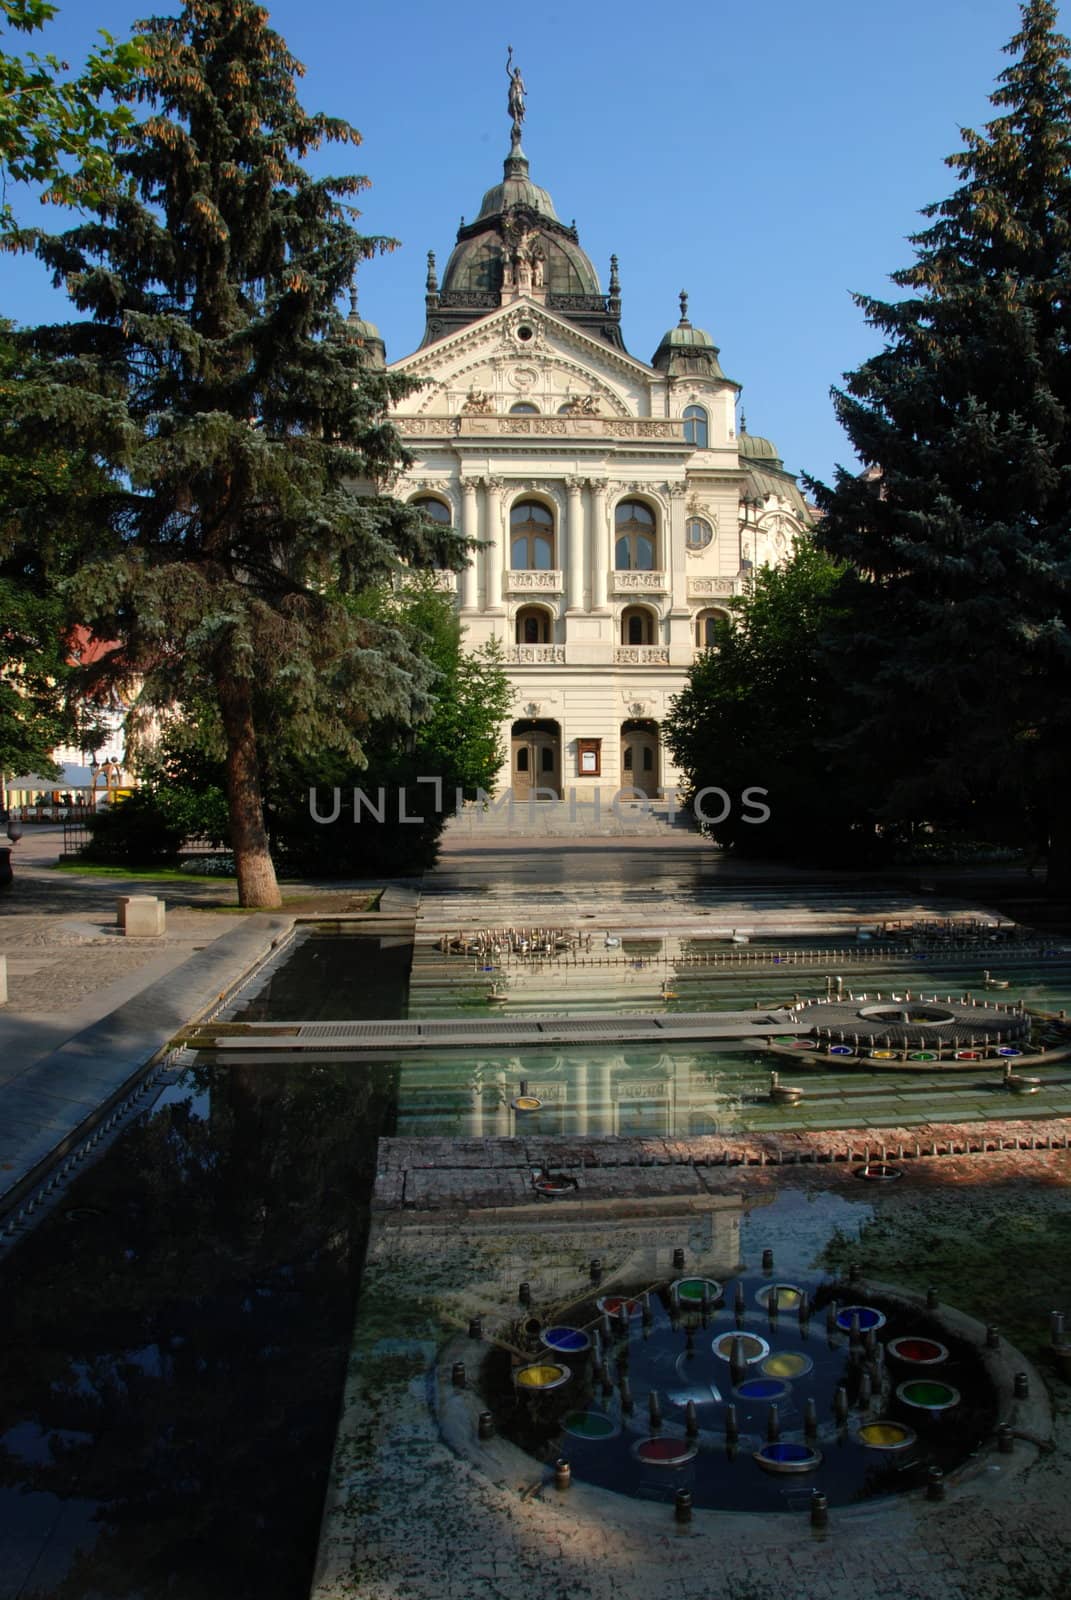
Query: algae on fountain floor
(996,1248)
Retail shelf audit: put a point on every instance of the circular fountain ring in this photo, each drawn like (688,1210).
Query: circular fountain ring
(917,1352)
(565,1341)
(690,1292)
(541,1376)
(869,1318)
(661,1452)
(926,1394)
(787,1456)
(752,1348)
(788,1296)
(886,1435)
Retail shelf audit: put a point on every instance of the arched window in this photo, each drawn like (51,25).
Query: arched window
(634,537)
(523,409)
(696,426)
(434,508)
(637,625)
(531,537)
(532,625)
(707,624)
(698,533)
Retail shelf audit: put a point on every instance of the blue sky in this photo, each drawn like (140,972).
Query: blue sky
(768,158)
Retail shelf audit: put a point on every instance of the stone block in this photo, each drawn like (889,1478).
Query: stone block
(143,917)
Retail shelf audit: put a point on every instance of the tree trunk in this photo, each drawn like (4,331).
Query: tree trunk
(257,885)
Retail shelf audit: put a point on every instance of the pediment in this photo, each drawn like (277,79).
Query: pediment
(520,353)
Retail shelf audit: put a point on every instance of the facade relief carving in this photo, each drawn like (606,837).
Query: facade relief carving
(478,403)
(581,405)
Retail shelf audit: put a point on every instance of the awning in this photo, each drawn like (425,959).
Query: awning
(71,777)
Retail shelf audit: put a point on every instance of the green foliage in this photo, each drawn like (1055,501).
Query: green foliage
(758,712)
(37,710)
(960,653)
(458,744)
(54,130)
(213,377)
(134,832)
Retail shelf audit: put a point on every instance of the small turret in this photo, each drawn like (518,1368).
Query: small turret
(687,350)
(365,334)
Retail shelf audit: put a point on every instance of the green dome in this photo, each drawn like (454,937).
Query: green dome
(364,334)
(687,350)
(754,448)
(516,189)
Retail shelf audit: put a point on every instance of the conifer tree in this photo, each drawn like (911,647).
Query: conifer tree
(210,372)
(961,655)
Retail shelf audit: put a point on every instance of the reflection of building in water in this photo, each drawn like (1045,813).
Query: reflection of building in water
(636,1253)
(618,1093)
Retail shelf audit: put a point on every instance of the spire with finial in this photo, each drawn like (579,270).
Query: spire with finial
(615,289)
(684,309)
(432,283)
(743,421)
(353,297)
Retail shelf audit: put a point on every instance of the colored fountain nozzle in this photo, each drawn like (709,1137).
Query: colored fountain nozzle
(831,1317)
(563,1473)
(840,1404)
(682,1505)
(819,1509)
(739,1304)
(596,1269)
(773,1425)
(737,1362)
(1021,1388)
(732,1427)
(691,1420)
(654,1409)
(855,1331)
(606,1327)
(627,1401)
(645,1306)
(623,1318)
(935,1484)
(1056,1329)
(767,1261)
(457,1375)
(992,1336)
(854,1272)
(524,1294)
(810,1418)
(804,1309)
(475,1327)
(865,1391)
(678,1258)
(932,1301)
(1005,1442)
(485,1425)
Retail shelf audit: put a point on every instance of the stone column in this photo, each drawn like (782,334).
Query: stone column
(469,577)
(493,531)
(574,545)
(601,546)
(673,557)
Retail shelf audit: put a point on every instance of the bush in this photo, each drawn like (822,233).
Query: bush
(134,832)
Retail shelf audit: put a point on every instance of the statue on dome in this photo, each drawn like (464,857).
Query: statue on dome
(517,92)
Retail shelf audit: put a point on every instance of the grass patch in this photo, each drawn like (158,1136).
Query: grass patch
(93,869)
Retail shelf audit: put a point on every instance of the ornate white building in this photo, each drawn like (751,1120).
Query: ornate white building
(617,502)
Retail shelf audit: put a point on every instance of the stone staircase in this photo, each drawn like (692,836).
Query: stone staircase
(572,818)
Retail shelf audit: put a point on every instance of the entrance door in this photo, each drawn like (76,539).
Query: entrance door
(639,761)
(535,761)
